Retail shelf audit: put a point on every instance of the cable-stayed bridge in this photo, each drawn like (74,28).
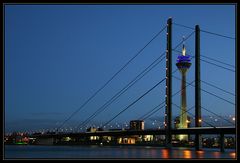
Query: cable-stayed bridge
(167,128)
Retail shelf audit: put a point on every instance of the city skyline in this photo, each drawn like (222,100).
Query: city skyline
(57,56)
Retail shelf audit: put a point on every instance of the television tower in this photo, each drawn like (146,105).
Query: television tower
(183,64)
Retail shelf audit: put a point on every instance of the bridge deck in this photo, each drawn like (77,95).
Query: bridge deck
(200,130)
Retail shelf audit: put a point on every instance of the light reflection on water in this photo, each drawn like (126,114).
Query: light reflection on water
(165,153)
(187,154)
(200,154)
(112,152)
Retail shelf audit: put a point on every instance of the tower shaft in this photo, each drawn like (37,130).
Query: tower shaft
(183,64)
(183,112)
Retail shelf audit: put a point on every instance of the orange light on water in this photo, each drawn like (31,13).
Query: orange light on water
(233,155)
(187,154)
(216,154)
(165,153)
(199,154)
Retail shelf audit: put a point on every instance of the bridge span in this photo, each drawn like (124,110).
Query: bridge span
(56,137)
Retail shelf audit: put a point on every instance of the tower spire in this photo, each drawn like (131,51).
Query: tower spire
(183,48)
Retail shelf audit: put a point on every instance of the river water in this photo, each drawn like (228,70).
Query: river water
(110,152)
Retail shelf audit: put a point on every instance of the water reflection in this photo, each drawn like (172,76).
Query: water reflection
(153,153)
(187,154)
(216,154)
(199,154)
(165,153)
(233,155)
(112,152)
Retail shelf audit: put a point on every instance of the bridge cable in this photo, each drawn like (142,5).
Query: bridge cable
(227,64)
(152,111)
(216,34)
(218,88)
(217,65)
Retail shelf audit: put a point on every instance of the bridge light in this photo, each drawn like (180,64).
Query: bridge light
(187,121)
(200,120)
(233,118)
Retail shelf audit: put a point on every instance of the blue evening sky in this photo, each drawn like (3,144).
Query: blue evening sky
(57,56)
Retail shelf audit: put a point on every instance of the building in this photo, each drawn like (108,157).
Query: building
(136,125)
(133,139)
(183,64)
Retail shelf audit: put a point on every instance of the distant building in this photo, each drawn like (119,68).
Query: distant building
(136,125)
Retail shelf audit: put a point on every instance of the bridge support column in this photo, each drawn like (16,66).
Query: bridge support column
(168,111)
(198,120)
(221,142)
